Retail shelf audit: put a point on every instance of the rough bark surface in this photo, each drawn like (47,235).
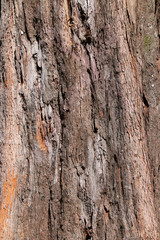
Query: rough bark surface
(79,120)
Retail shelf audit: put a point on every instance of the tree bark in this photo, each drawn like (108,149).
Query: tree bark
(79,125)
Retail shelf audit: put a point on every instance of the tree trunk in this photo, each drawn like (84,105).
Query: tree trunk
(79,125)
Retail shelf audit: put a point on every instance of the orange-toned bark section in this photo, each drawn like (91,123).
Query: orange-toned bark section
(41,136)
(11,143)
(8,193)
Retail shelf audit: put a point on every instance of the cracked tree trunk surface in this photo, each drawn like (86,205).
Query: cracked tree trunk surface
(79,125)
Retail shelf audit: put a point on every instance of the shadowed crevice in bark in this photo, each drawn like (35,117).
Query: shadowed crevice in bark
(25,23)
(145,101)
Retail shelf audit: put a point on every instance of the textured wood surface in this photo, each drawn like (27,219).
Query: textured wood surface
(79,120)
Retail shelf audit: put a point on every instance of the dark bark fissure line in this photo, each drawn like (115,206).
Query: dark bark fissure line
(129,44)
(60,101)
(145,101)
(157,3)
(93,97)
(93,94)
(121,184)
(18,68)
(88,230)
(4,77)
(88,35)
(157,18)
(61,185)
(38,68)
(21,76)
(14,6)
(83,15)
(24,103)
(128,16)
(69,3)
(108,212)
(49,221)
(25,23)
(61,114)
(105,236)
(28,169)
(50,215)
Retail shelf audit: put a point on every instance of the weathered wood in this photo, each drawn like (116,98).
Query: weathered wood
(79,126)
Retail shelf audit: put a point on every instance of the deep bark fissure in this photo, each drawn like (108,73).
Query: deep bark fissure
(50,225)
(25,23)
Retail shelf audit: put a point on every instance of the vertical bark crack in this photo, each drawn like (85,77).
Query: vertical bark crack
(25,23)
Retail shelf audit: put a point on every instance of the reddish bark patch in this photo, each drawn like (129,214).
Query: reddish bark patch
(8,194)
(41,136)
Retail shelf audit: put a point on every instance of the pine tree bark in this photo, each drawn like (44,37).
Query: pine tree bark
(79,125)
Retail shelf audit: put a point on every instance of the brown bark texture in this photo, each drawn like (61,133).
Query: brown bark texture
(79,120)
